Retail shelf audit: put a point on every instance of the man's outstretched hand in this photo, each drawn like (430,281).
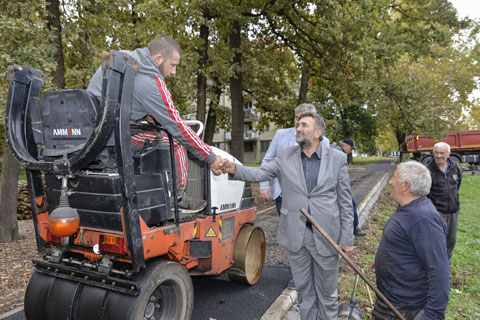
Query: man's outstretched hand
(216,166)
(228,166)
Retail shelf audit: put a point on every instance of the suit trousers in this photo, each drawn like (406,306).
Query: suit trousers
(315,279)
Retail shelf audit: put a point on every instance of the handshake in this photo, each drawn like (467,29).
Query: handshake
(222,166)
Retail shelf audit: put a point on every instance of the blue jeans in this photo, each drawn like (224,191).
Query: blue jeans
(355,214)
(278,204)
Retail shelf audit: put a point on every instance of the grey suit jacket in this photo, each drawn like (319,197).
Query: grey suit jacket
(330,201)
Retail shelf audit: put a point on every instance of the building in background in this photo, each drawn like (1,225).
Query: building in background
(255,144)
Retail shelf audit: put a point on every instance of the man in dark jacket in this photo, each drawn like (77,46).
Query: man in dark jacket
(446,180)
(411,264)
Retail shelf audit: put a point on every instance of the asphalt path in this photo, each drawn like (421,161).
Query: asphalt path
(218,299)
(364,178)
(222,300)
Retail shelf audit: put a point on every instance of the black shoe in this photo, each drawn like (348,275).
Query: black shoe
(359,232)
(291,284)
(188,204)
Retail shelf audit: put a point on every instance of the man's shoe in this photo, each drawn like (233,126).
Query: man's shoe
(188,204)
(291,284)
(358,232)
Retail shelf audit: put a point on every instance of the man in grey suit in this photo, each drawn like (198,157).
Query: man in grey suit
(313,177)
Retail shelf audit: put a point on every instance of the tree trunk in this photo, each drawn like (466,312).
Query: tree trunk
(302,94)
(8,197)
(53,22)
(400,136)
(236,93)
(202,71)
(211,124)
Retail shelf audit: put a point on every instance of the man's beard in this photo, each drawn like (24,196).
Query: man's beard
(160,67)
(303,140)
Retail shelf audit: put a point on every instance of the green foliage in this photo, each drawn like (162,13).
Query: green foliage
(398,66)
(24,40)
(424,74)
(386,141)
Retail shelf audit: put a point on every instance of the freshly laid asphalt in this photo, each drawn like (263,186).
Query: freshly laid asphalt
(268,299)
(222,300)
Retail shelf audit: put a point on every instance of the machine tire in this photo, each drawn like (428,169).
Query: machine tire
(456,158)
(248,255)
(166,292)
(35,305)
(426,159)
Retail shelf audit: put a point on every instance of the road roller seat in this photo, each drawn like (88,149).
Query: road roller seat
(64,122)
(62,125)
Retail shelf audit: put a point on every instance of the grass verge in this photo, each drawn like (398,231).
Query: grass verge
(363,161)
(465,272)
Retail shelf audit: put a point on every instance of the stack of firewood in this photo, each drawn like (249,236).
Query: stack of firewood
(24,209)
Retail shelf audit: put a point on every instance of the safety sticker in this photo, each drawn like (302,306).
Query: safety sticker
(220,223)
(210,233)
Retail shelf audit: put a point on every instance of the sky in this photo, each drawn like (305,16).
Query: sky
(470,8)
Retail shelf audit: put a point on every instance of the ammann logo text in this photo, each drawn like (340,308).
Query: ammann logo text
(228,206)
(67,132)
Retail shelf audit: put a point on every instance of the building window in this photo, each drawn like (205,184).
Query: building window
(220,145)
(264,144)
(248,146)
(248,127)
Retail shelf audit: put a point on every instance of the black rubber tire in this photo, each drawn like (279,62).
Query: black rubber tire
(166,293)
(36,295)
(426,159)
(455,158)
(90,303)
(61,298)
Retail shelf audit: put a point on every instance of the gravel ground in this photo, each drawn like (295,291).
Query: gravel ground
(275,255)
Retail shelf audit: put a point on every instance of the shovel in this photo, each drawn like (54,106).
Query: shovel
(350,311)
(352,264)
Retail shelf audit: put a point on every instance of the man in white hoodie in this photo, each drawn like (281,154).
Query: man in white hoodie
(153,101)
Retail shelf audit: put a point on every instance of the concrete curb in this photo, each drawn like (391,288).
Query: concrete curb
(370,199)
(11,312)
(281,306)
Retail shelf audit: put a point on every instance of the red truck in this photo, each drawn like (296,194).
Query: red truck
(464,146)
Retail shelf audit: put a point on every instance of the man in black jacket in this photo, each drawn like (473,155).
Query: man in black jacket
(446,180)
